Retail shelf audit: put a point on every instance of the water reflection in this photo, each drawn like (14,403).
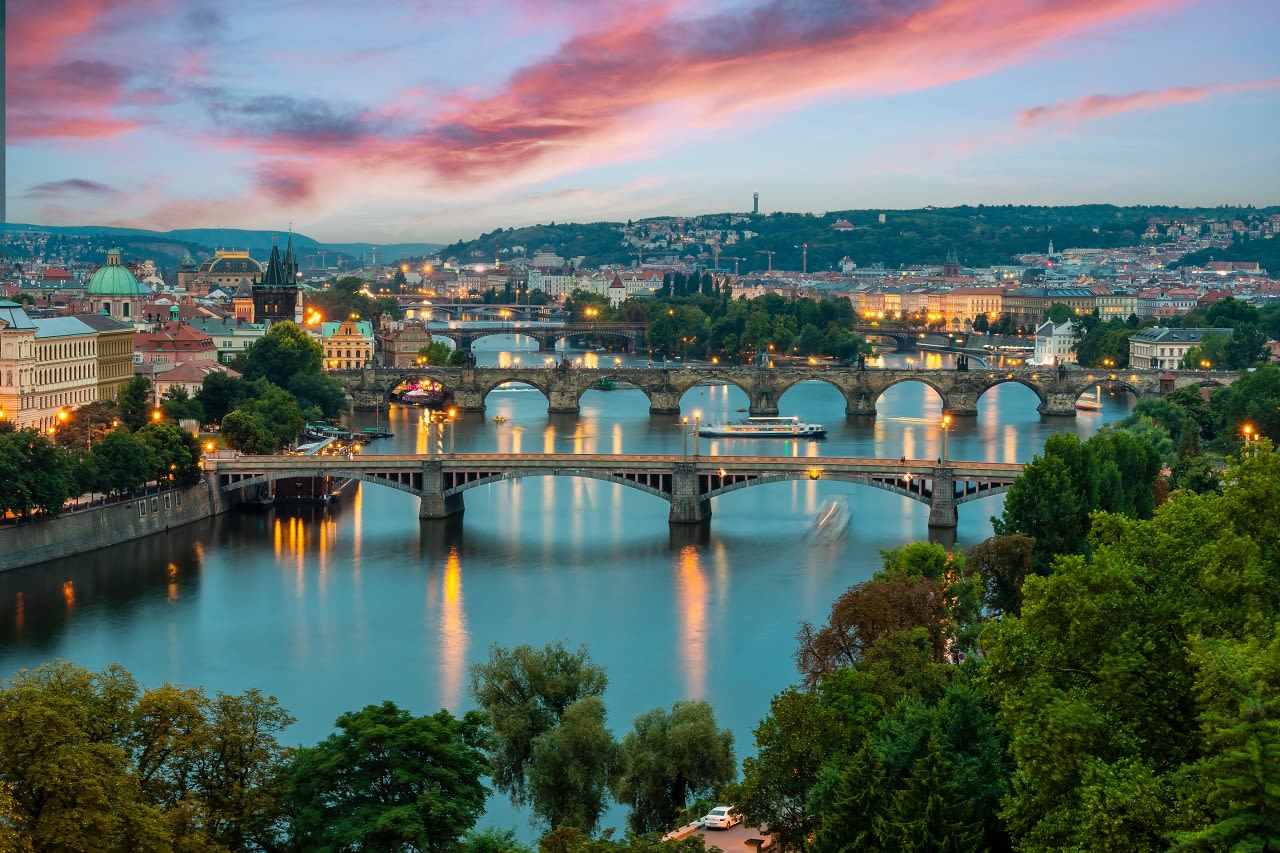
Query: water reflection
(331,608)
(691,593)
(453,635)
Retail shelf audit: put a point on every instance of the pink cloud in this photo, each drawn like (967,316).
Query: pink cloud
(602,84)
(47,67)
(1101,106)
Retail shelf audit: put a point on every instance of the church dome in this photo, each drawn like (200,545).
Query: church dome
(231,263)
(113,279)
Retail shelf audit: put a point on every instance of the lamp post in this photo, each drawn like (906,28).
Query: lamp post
(697,434)
(453,415)
(946,426)
(684,431)
(1250,436)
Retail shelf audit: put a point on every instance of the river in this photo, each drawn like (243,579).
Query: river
(333,608)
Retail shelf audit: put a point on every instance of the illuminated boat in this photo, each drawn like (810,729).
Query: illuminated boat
(764,427)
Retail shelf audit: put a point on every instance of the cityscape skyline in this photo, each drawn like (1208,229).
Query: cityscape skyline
(424,124)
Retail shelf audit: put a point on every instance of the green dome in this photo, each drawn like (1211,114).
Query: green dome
(114,279)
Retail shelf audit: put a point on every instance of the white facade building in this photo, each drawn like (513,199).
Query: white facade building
(1055,344)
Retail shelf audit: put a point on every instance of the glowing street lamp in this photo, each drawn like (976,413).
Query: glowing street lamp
(946,427)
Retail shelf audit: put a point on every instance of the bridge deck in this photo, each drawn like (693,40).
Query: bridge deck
(560,461)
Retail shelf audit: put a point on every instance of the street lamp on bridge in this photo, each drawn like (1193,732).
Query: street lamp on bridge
(946,427)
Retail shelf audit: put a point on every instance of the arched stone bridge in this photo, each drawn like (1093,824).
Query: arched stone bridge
(960,390)
(688,483)
(464,335)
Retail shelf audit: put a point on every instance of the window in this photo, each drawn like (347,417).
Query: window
(142,509)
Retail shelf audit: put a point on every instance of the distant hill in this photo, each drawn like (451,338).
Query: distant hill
(202,242)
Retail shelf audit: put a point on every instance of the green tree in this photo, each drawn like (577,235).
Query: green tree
(283,352)
(1059,313)
(319,396)
(121,463)
(248,433)
(929,814)
(1236,783)
(278,410)
(525,693)
(220,393)
(174,453)
(134,399)
(669,758)
(177,403)
(570,766)
(62,761)
(793,745)
(1003,563)
(866,613)
(440,353)
(215,767)
(389,780)
(41,475)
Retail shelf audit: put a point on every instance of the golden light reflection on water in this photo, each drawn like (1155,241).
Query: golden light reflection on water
(69,593)
(453,634)
(691,595)
(173,581)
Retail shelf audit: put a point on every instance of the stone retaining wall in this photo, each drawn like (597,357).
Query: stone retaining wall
(79,531)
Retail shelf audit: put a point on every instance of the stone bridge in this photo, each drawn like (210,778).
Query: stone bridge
(1056,390)
(688,483)
(630,336)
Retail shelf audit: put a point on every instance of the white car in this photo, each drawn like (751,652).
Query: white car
(722,817)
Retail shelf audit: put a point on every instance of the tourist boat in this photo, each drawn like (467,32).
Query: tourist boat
(1091,404)
(764,427)
(832,521)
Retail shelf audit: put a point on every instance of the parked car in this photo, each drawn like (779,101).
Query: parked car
(722,817)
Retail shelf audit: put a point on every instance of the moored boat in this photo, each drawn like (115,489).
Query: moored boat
(831,522)
(1090,404)
(764,427)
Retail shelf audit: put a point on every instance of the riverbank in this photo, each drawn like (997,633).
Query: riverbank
(82,528)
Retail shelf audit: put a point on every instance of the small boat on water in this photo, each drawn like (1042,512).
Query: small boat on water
(499,419)
(1090,404)
(832,521)
(764,427)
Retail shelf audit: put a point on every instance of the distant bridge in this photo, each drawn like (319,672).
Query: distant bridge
(629,336)
(688,483)
(1056,390)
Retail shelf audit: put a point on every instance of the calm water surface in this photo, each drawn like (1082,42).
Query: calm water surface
(330,609)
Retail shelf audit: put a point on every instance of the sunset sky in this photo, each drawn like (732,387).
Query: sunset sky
(433,121)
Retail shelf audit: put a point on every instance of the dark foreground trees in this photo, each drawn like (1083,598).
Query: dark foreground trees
(388,780)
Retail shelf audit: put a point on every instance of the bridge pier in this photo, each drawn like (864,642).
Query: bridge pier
(942,506)
(960,403)
(687,507)
(764,404)
(664,403)
(861,404)
(1059,404)
(434,503)
(562,402)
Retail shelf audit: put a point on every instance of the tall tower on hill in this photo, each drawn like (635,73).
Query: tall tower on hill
(755,202)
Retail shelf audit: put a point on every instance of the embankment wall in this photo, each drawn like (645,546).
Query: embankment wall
(81,530)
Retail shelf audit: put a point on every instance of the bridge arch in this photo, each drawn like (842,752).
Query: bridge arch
(1014,379)
(911,380)
(274,476)
(563,472)
(818,376)
(917,488)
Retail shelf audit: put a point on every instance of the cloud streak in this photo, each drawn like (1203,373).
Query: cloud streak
(1096,107)
(651,70)
(70,186)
